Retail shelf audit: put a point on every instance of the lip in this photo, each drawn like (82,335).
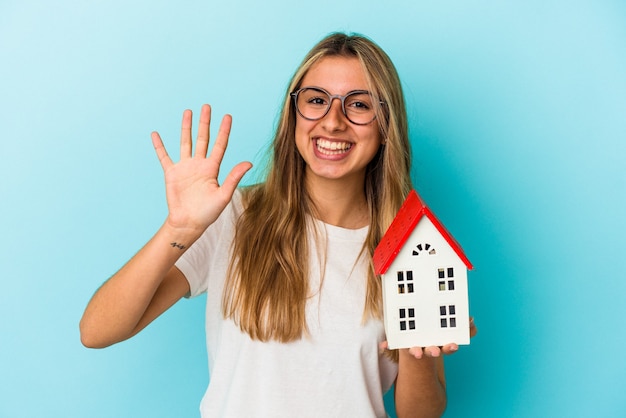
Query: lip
(331,148)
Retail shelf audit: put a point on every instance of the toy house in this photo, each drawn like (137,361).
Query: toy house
(424,278)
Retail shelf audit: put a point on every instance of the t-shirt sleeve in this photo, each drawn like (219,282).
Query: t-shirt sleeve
(211,251)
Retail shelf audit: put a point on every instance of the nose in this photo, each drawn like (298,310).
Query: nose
(335,118)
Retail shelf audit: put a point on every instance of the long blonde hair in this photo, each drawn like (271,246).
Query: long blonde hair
(267,285)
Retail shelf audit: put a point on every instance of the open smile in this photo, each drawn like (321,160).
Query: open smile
(326,147)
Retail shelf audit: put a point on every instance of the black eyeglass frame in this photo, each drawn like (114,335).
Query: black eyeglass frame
(331,97)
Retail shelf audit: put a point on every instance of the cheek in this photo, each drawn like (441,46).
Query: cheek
(299,128)
(375,141)
(303,130)
(301,137)
(373,135)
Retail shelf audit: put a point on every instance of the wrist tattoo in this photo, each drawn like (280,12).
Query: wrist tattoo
(177,245)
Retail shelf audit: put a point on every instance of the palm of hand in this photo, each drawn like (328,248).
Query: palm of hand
(194,196)
(191,187)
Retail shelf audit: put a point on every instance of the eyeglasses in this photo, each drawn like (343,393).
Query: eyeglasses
(313,103)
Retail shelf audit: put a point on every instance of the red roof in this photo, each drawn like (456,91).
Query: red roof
(409,215)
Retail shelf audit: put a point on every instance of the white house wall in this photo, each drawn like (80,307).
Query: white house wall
(426,298)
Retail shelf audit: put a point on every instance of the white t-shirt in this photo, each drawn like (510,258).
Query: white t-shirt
(335,371)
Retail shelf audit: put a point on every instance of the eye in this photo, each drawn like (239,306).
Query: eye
(311,97)
(317,100)
(359,102)
(359,105)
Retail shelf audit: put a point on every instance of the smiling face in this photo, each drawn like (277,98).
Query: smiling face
(333,147)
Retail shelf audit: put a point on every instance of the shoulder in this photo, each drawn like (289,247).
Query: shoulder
(236,203)
(251,198)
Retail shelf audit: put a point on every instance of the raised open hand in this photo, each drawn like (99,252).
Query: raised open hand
(194,196)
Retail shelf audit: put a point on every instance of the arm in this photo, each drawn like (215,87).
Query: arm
(138,293)
(150,283)
(420,389)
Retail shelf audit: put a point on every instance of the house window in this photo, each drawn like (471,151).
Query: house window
(446,279)
(447,316)
(407,319)
(405,282)
(424,249)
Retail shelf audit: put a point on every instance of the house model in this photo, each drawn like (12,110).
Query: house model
(424,278)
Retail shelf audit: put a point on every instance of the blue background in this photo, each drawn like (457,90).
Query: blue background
(518,125)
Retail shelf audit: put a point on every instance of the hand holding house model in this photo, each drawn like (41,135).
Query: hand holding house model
(424,274)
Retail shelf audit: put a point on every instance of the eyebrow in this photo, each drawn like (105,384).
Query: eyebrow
(326,91)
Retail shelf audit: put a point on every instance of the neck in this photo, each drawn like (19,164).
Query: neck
(340,203)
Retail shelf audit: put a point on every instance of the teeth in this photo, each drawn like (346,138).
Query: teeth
(330,147)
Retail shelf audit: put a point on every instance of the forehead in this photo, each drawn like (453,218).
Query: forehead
(337,75)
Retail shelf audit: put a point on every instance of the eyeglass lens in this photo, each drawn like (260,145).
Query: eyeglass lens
(314,103)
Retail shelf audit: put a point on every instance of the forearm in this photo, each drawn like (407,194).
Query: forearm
(118,306)
(420,387)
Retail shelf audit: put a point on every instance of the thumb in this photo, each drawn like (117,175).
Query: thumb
(234,177)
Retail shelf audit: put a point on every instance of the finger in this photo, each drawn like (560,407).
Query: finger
(234,177)
(185,135)
(161,152)
(202,143)
(473,328)
(221,143)
(432,351)
(382,347)
(449,348)
(219,148)
(416,352)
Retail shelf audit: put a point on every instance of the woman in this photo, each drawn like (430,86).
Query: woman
(293,315)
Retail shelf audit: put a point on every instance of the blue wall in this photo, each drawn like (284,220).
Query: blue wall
(518,122)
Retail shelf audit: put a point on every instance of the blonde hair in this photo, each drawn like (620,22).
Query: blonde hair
(267,286)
